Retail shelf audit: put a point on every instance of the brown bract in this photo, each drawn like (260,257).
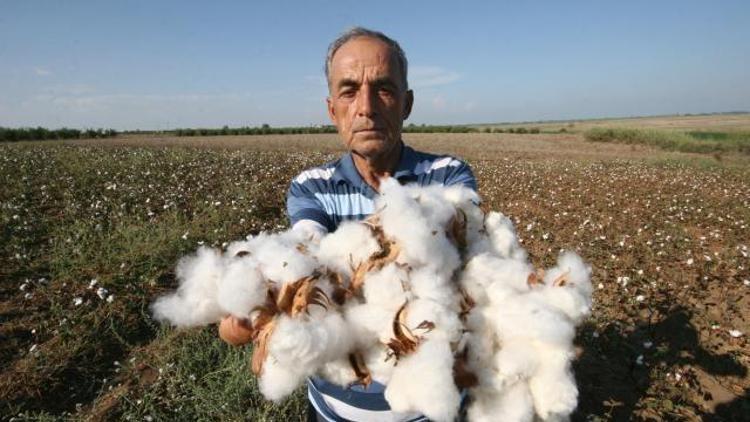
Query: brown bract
(387,253)
(360,369)
(292,299)
(456,230)
(404,341)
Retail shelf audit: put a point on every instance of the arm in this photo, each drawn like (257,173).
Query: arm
(305,214)
(305,211)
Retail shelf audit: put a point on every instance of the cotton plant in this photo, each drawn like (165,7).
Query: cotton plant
(429,290)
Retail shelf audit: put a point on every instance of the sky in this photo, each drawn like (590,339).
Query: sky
(166,64)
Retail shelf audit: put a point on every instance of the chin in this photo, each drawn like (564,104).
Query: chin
(373,147)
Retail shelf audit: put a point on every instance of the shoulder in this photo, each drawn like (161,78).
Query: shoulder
(322,172)
(440,168)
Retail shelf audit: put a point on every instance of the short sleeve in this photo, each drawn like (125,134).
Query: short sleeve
(301,204)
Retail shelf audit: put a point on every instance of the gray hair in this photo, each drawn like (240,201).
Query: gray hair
(357,32)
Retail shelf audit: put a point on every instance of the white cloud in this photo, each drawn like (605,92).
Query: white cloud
(82,106)
(40,71)
(438,102)
(428,76)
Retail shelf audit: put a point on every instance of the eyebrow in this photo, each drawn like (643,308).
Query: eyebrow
(383,81)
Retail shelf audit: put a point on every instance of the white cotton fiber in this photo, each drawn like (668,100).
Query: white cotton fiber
(511,404)
(307,343)
(456,288)
(276,381)
(338,371)
(242,288)
(503,236)
(574,296)
(553,386)
(279,257)
(195,302)
(388,288)
(434,394)
(351,244)
(419,231)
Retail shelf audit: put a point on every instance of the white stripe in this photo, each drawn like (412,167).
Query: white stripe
(345,204)
(316,173)
(428,166)
(352,413)
(317,409)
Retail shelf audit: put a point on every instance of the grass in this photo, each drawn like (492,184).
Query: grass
(693,141)
(123,211)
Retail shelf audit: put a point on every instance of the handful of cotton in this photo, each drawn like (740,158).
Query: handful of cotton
(428,296)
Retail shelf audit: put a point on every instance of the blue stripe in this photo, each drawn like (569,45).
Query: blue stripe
(373,400)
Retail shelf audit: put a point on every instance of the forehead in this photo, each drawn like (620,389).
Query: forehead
(364,55)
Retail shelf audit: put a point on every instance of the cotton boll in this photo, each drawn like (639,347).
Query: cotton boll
(339,372)
(503,236)
(467,201)
(513,404)
(309,343)
(432,203)
(573,297)
(447,325)
(279,258)
(498,277)
(516,360)
(423,241)
(369,323)
(242,288)
(481,343)
(351,244)
(428,283)
(379,363)
(553,386)
(195,301)
(387,288)
(518,318)
(435,395)
(276,382)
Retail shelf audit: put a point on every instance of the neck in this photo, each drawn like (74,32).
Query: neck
(372,169)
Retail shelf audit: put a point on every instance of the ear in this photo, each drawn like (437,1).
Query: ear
(331,111)
(409,101)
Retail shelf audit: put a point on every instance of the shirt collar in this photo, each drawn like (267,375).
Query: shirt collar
(347,171)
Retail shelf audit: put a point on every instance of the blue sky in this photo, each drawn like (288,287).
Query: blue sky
(165,64)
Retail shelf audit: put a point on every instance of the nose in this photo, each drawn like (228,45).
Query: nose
(366,101)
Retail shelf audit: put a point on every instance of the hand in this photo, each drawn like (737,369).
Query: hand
(235,331)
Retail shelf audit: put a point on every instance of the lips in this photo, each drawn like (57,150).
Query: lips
(370,129)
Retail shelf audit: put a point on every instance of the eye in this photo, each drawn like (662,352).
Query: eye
(386,91)
(347,93)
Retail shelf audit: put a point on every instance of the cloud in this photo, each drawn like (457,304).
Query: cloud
(438,102)
(83,106)
(40,71)
(428,76)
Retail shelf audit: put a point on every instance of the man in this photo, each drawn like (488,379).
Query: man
(368,101)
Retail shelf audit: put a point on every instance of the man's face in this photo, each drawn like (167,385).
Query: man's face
(368,101)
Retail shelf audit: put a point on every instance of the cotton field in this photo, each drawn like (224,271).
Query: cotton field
(92,233)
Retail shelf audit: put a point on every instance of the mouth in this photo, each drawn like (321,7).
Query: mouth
(370,130)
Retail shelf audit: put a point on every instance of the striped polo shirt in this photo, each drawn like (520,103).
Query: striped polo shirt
(334,192)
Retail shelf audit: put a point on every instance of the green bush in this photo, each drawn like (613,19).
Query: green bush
(700,142)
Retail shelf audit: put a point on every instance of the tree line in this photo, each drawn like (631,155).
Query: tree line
(269,130)
(40,134)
